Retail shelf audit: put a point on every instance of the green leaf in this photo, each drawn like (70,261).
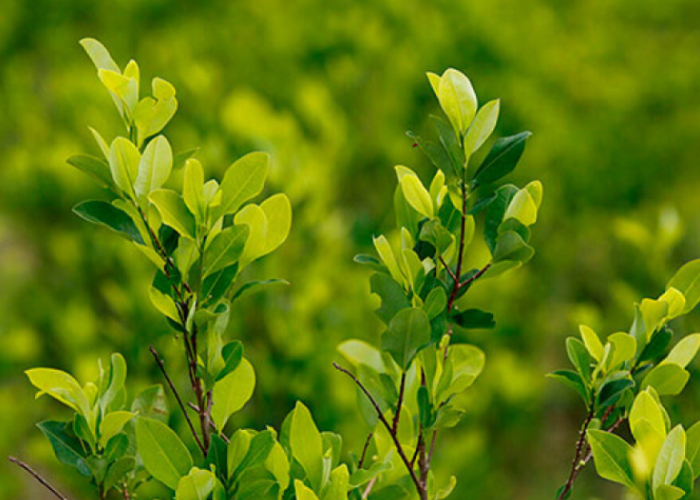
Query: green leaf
(482,127)
(96,168)
(502,158)
(115,383)
(232,392)
(197,485)
(257,452)
(113,423)
(107,215)
(252,285)
(684,351)
(393,298)
(124,159)
(408,332)
(495,212)
(303,492)
(307,445)
(435,303)
(277,463)
(625,347)
(611,455)
(668,379)
(232,354)
(118,470)
(574,381)
(238,449)
(174,212)
(646,413)
(99,54)
(243,180)
(363,476)
(193,189)
(522,208)
(692,448)
(66,446)
(474,319)
(457,99)
(152,403)
(670,459)
(163,454)
(154,168)
(225,249)
(580,358)
(687,281)
(360,352)
(511,246)
(417,196)
(60,386)
(269,226)
(611,391)
(592,342)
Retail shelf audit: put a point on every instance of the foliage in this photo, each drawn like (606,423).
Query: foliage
(622,381)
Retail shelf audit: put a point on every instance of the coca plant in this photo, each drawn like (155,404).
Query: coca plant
(408,386)
(621,381)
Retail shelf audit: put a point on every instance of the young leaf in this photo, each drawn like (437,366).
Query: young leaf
(612,457)
(232,392)
(668,379)
(670,459)
(174,212)
(482,126)
(687,281)
(197,485)
(124,159)
(684,352)
(225,249)
(152,403)
(113,423)
(306,444)
(164,455)
(457,99)
(417,196)
(154,168)
(109,216)
(60,386)
(243,180)
(592,342)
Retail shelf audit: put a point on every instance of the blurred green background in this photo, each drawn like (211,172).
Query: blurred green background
(610,89)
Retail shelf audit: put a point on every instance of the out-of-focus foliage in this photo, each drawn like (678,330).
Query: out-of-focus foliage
(611,90)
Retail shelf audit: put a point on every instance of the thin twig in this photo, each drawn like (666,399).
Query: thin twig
(161,365)
(387,425)
(369,487)
(449,271)
(38,477)
(575,464)
(402,389)
(364,450)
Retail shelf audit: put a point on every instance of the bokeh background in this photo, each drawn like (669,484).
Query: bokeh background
(610,89)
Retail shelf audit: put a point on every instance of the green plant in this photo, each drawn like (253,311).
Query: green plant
(622,381)
(409,387)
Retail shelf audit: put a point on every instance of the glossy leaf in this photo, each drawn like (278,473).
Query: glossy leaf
(109,216)
(163,453)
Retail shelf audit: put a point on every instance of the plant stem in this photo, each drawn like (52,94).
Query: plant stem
(402,389)
(364,450)
(575,464)
(38,477)
(161,365)
(422,491)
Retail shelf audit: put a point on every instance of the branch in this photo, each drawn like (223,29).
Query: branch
(161,365)
(397,416)
(580,446)
(38,477)
(364,450)
(387,425)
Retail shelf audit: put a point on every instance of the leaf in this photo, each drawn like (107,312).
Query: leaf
(408,332)
(152,403)
(592,342)
(668,379)
(474,319)
(495,213)
(243,180)
(360,352)
(225,249)
(269,226)
(257,452)
(306,444)
(692,448)
(579,357)
(303,492)
(393,298)
(625,347)
(163,454)
(435,303)
(511,246)
(684,351)
(124,159)
(232,392)
(154,168)
(117,470)
(99,54)
(687,281)
(574,381)
(417,196)
(277,463)
(611,455)
(107,215)
(482,127)
(193,189)
(646,411)
(611,391)
(232,354)
(96,168)
(61,386)
(115,383)
(66,446)
(113,423)
(670,459)
(197,485)
(363,476)
(174,212)
(251,285)
(502,158)
(457,99)
(522,208)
